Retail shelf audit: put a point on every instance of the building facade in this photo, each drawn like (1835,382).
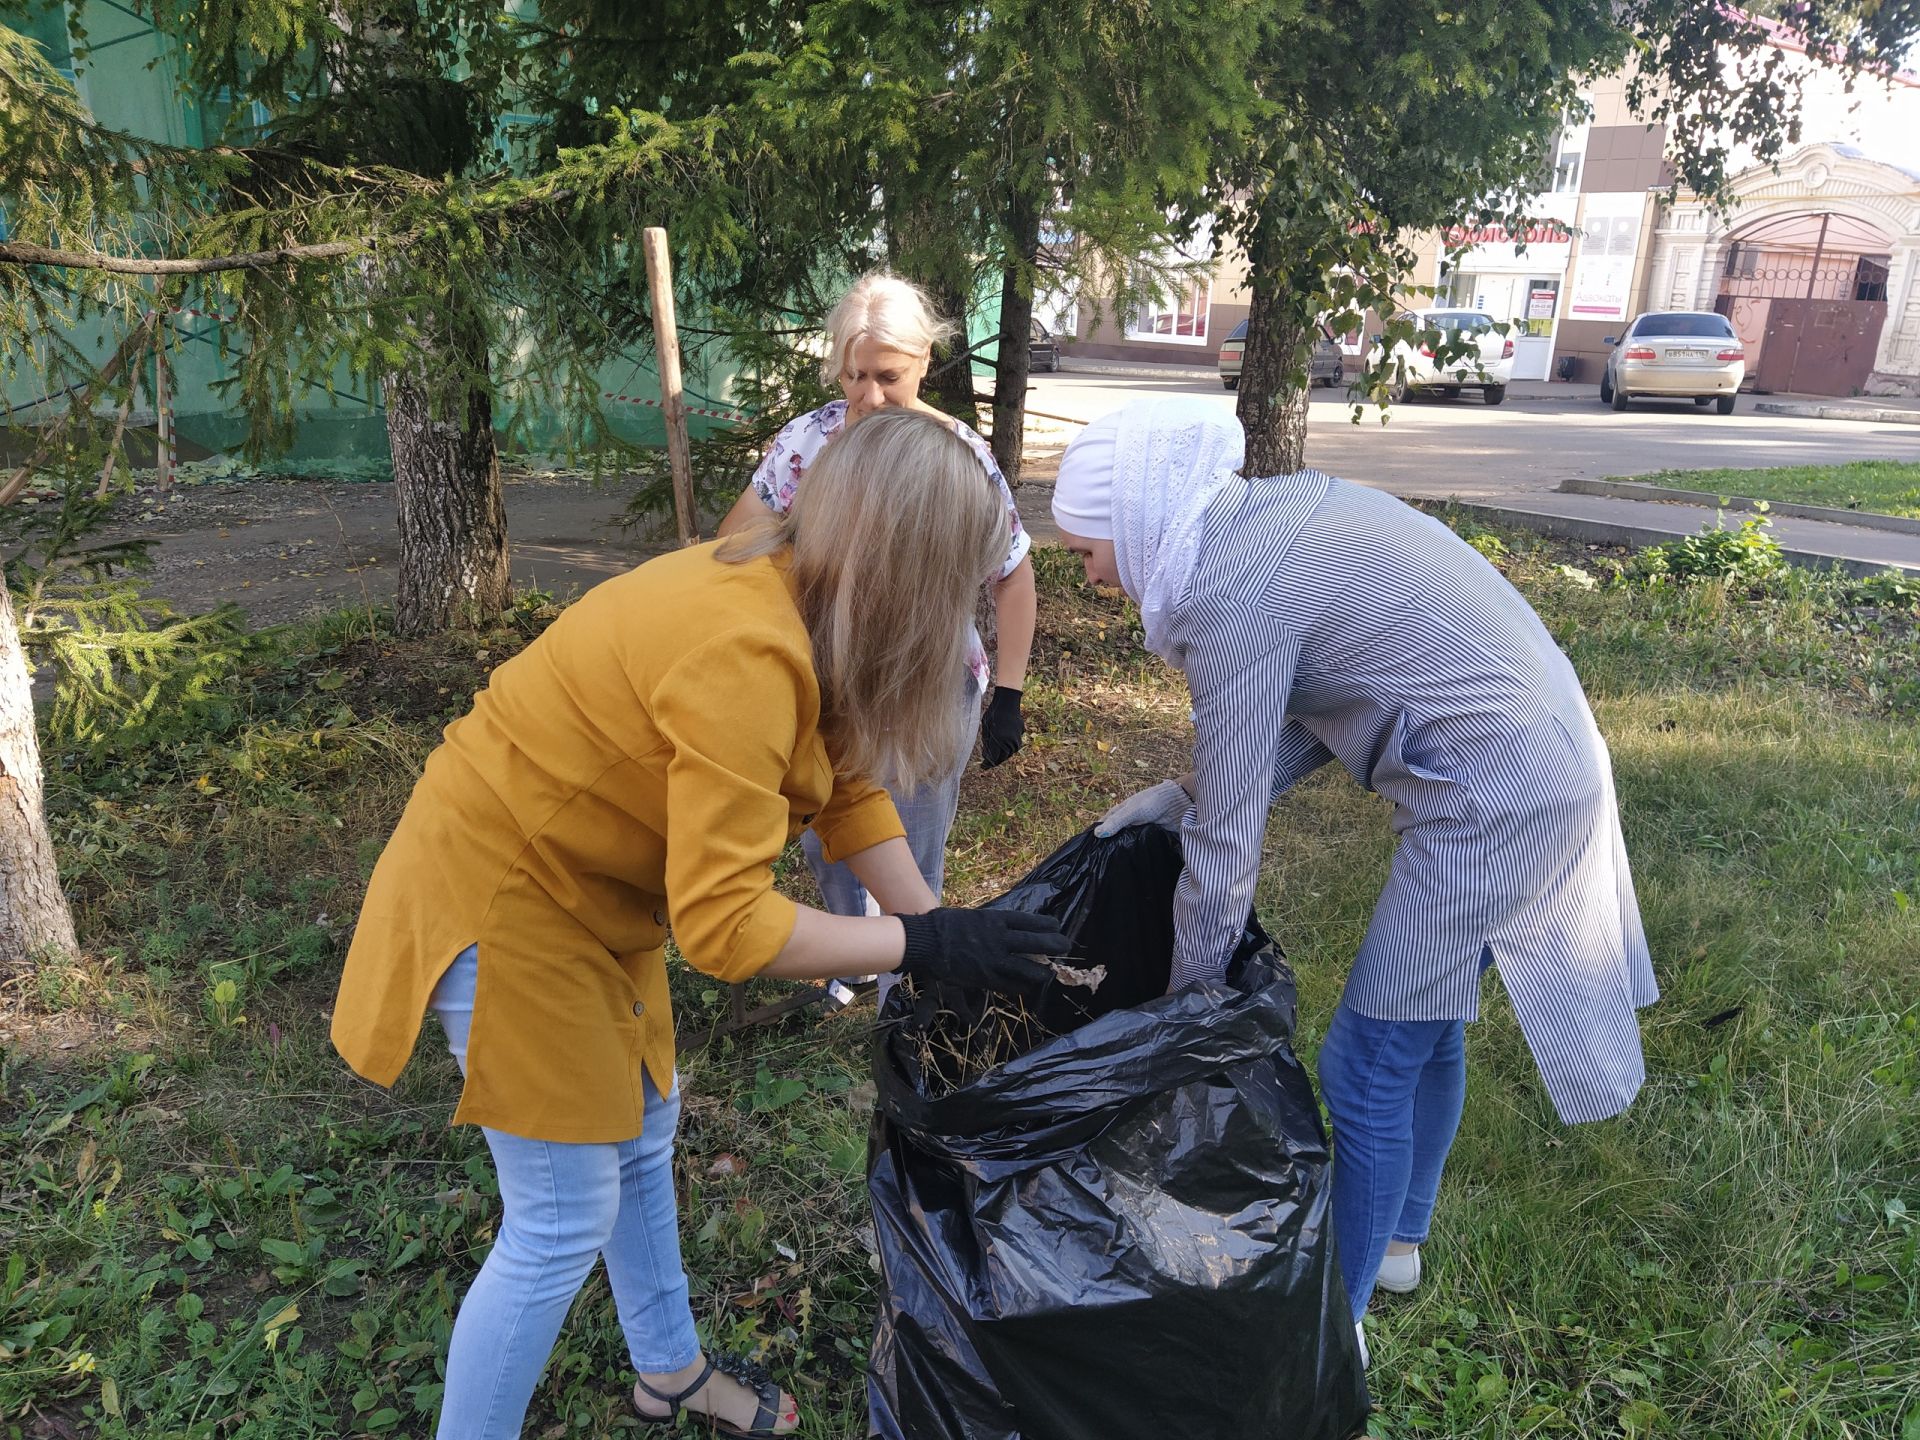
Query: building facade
(1816,260)
(1817,264)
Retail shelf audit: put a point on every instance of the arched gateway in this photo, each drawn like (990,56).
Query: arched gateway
(1817,265)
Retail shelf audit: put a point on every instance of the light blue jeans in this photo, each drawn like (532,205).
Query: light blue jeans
(1395,1089)
(926,815)
(564,1206)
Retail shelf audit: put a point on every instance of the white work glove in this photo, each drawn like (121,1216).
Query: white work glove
(1163,805)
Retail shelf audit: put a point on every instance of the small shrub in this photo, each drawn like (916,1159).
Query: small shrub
(1744,556)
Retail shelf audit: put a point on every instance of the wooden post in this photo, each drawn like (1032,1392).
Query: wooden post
(162,415)
(666,346)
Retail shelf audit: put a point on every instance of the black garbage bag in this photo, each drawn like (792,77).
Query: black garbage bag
(1124,1232)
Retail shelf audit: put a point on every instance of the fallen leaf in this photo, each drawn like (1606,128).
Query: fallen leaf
(725,1165)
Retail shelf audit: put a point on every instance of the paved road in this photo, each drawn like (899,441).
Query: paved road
(1437,449)
(285,550)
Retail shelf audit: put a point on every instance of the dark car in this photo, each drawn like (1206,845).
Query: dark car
(1324,368)
(1043,351)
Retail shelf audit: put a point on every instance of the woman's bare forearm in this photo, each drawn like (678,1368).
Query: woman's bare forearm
(823,946)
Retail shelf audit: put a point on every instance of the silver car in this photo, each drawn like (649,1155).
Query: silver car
(1675,355)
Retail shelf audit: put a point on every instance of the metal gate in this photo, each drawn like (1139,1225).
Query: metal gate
(1819,347)
(1807,294)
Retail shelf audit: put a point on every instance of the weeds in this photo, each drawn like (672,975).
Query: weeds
(1746,554)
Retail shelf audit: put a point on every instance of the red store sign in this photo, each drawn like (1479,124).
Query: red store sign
(1543,232)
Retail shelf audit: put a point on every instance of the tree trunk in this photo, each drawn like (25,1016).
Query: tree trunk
(34,918)
(1273,370)
(1016,318)
(1273,388)
(453,519)
(949,382)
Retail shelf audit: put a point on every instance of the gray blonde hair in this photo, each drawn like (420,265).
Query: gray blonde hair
(885,308)
(895,528)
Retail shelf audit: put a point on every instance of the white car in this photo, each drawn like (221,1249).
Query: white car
(1489,373)
(1675,355)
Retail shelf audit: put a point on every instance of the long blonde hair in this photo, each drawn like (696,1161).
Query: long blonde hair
(892,311)
(893,531)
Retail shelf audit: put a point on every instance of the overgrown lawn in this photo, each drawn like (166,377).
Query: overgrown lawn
(212,1229)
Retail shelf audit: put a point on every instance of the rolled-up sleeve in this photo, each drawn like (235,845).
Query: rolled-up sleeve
(1240,687)
(730,711)
(858,816)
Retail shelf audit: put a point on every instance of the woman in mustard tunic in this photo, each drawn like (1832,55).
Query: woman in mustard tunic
(638,769)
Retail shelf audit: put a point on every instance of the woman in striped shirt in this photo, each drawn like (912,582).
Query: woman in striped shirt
(1318,620)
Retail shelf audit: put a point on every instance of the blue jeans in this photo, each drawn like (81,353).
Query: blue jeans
(565,1206)
(926,815)
(1394,1089)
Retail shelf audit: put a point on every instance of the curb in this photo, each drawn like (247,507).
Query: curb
(1838,412)
(1073,365)
(1608,532)
(1831,514)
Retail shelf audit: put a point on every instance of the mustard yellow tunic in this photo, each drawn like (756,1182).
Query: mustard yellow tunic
(643,763)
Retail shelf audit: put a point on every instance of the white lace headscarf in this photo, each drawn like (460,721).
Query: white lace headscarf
(1170,458)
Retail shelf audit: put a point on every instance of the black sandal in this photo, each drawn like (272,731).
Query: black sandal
(764,1388)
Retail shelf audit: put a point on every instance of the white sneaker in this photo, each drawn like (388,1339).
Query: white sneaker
(1400,1273)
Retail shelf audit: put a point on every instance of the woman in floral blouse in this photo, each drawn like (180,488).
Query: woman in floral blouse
(880,340)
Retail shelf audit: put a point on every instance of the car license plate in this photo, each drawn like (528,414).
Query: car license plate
(1685,352)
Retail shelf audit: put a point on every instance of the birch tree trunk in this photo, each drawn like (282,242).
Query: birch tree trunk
(34,918)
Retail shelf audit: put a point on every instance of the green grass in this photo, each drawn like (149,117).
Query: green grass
(211,1229)
(1890,487)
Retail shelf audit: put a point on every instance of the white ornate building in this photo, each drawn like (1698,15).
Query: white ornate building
(1817,263)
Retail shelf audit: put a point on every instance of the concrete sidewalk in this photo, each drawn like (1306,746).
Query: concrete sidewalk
(1867,409)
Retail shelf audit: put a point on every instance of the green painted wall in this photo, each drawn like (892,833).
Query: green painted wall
(130,80)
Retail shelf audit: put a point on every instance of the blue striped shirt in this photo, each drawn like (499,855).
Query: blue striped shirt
(1328,621)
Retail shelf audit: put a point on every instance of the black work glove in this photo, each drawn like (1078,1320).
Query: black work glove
(1003,729)
(982,949)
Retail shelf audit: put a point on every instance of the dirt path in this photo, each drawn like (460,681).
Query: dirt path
(286,549)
